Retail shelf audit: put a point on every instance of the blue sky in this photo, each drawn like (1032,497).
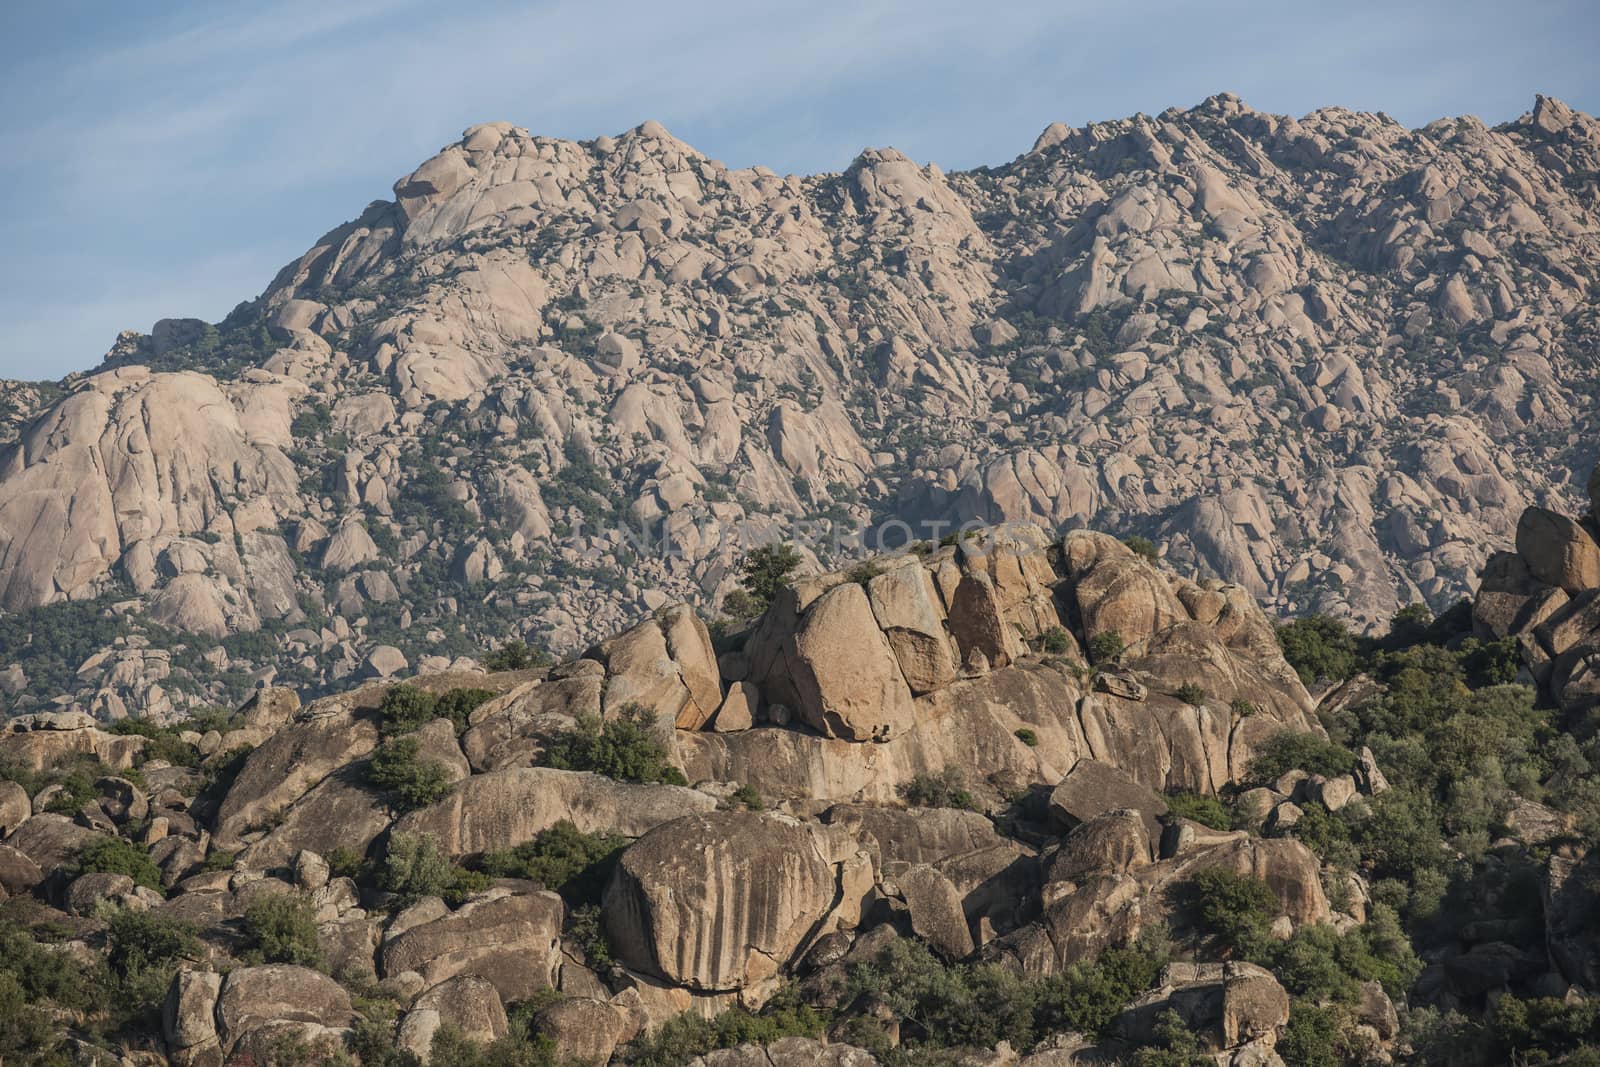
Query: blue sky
(164,159)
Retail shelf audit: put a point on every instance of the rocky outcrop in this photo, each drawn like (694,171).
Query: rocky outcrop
(512,939)
(323,738)
(503,809)
(721,901)
(1546,597)
(1161,323)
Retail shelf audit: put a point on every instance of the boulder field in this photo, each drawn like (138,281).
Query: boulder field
(799,737)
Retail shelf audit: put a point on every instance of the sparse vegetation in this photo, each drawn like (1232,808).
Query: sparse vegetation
(281,928)
(407,779)
(942,789)
(1105,647)
(573,863)
(623,747)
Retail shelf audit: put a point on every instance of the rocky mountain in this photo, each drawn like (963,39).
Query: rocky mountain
(552,385)
(1013,801)
(854,690)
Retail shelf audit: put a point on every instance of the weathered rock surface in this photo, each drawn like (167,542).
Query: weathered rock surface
(719,901)
(503,809)
(1166,323)
(510,938)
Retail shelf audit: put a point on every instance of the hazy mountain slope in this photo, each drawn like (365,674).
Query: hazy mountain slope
(1330,360)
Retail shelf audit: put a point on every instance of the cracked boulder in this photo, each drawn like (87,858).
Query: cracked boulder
(721,901)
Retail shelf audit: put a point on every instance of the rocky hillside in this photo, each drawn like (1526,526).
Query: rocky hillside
(414,844)
(1329,360)
(1009,802)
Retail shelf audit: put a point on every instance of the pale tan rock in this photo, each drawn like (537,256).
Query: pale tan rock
(510,939)
(1558,551)
(503,809)
(739,709)
(468,1002)
(719,901)
(907,610)
(328,735)
(278,992)
(846,676)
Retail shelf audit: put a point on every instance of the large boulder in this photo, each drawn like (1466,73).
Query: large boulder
(719,901)
(665,664)
(935,908)
(503,809)
(327,736)
(1225,1005)
(15,806)
(1559,551)
(18,873)
(341,811)
(989,871)
(511,729)
(467,1002)
(512,939)
(845,673)
(584,1029)
(189,1018)
(907,608)
(1115,841)
(253,997)
(49,738)
(984,635)
(1116,591)
(50,840)
(1094,788)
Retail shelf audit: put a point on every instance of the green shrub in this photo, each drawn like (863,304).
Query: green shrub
(282,928)
(1026,736)
(943,1005)
(346,862)
(587,930)
(1290,750)
(1105,647)
(457,705)
(767,572)
(748,796)
(1314,1036)
(519,1048)
(1175,1045)
(563,858)
(687,1036)
(1142,547)
(161,742)
(407,708)
(1207,811)
(27,1032)
(741,606)
(75,775)
(624,748)
(143,950)
(1190,693)
(116,856)
(942,789)
(1055,641)
(414,868)
(1233,909)
(515,655)
(862,573)
(1319,647)
(408,781)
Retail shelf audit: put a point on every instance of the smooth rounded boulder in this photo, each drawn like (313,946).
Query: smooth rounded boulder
(1558,551)
(720,901)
